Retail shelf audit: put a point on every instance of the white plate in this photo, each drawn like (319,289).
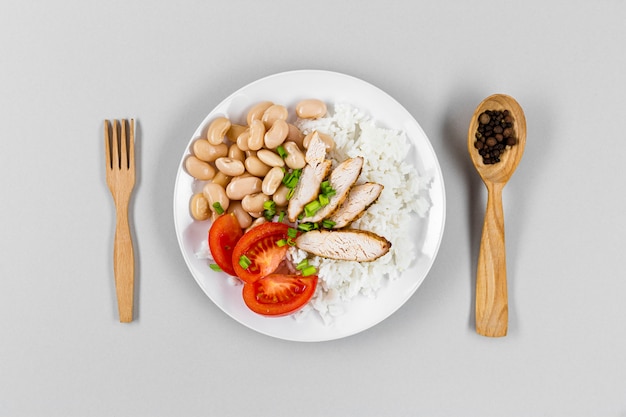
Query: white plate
(362,313)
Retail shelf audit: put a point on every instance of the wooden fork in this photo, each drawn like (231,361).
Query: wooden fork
(119,142)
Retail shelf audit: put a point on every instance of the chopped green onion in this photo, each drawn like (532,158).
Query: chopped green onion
(309,270)
(306,227)
(269,209)
(312,208)
(269,205)
(328,224)
(326,187)
(215,267)
(288,176)
(291,232)
(291,242)
(302,264)
(280,243)
(324,200)
(291,180)
(281,151)
(244,262)
(218,207)
(290,193)
(281,216)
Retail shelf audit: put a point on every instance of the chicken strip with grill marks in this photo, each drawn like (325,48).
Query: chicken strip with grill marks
(313,173)
(344,245)
(358,200)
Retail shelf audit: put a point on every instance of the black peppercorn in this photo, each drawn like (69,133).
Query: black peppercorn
(494,133)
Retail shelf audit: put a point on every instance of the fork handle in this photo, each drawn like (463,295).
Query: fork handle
(124,265)
(492,310)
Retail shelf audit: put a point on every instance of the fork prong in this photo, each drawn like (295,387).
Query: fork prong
(123,145)
(115,151)
(107,144)
(131,146)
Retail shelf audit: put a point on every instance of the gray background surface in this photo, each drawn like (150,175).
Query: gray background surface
(67,65)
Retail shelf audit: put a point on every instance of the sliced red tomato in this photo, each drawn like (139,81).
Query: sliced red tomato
(258,252)
(279,294)
(224,234)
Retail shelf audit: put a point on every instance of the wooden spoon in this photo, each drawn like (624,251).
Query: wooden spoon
(492,311)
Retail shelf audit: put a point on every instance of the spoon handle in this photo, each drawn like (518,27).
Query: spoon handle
(492,311)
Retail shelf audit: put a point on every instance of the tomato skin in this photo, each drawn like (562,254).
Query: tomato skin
(260,247)
(224,234)
(279,294)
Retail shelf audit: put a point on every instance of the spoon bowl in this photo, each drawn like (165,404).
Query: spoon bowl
(502,171)
(491,289)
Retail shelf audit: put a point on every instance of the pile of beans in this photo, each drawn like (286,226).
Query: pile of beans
(495,132)
(243,166)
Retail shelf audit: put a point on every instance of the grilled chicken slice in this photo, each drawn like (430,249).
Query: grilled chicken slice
(358,200)
(315,170)
(344,245)
(341,179)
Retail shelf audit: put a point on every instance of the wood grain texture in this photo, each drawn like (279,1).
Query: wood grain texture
(491,287)
(120,174)
(491,275)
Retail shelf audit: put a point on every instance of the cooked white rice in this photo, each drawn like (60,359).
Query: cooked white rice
(385,152)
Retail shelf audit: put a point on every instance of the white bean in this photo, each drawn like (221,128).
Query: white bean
(257,134)
(253,203)
(280,196)
(272,180)
(199,207)
(257,222)
(273,113)
(270,158)
(235,153)
(295,135)
(235,130)
(277,134)
(199,169)
(242,140)
(311,109)
(229,166)
(245,220)
(295,157)
(241,186)
(215,193)
(203,150)
(217,130)
(221,179)
(255,167)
